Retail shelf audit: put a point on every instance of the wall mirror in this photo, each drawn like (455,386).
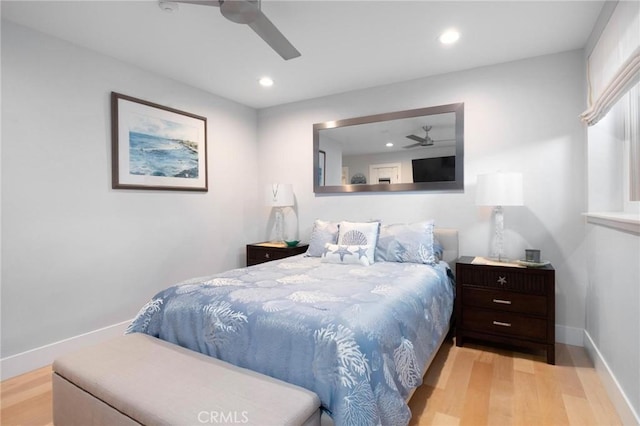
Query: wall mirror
(413,150)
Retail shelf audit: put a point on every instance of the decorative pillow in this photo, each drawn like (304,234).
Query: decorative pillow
(360,234)
(323,232)
(336,253)
(412,243)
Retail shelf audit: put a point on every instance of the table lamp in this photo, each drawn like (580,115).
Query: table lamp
(498,190)
(279,195)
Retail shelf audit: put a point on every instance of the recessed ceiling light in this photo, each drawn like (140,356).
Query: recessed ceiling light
(449,37)
(266,82)
(389,144)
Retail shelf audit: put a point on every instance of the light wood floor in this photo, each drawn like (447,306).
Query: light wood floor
(481,385)
(474,385)
(26,399)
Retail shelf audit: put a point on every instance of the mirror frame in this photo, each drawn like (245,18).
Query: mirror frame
(447,186)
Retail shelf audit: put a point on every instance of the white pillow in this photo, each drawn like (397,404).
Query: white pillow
(360,234)
(336,253)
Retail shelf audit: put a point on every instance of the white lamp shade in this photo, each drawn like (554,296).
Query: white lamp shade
(279,195)
(499,189)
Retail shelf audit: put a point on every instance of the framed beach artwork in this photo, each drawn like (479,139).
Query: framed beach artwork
(156,147)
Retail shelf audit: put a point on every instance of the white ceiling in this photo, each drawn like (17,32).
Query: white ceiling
(345,45)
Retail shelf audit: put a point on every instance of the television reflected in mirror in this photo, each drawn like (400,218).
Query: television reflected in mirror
(435,169)
(413,150)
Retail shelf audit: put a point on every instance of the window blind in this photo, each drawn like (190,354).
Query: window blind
(613,67)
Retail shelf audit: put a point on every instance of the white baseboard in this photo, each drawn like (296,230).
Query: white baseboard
(21,363)
(619,399)
(569,335)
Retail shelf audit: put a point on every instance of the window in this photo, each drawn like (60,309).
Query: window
(613,116)
(614,165)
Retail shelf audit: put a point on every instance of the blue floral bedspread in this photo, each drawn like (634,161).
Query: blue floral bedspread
(358,336)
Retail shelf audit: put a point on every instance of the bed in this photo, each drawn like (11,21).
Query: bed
(360,332)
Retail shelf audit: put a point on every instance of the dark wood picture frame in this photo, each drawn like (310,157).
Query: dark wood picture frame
(156,147)
(322,167)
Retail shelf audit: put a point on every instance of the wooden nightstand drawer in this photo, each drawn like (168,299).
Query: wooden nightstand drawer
(505,301)
(504,279)
(263,254)
(504,323)
(257,253)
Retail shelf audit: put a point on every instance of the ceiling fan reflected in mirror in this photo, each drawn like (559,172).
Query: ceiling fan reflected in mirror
(426,141)
(249,12)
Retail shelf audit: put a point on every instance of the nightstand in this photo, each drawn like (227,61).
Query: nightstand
(265,252)
(506,304)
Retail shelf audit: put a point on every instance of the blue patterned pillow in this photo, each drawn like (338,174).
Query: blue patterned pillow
(323,232)
(336,253)
(413,243)
(360,234)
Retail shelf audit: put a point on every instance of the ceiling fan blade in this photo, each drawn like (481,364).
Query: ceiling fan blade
(249,12)
(413,145)
(215,3)
(274,38)
(416,138)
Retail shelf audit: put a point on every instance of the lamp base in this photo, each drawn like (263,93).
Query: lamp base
(497,246)
(279,225)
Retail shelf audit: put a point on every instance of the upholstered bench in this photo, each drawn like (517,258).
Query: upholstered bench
(138,379)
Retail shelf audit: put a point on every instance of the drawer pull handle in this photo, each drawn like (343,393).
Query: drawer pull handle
(504,302)
(266,255)
(502,324)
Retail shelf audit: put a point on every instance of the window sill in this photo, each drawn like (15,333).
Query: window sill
(629,222)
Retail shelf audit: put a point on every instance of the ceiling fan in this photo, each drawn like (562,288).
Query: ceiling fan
(426,141)
(250,12)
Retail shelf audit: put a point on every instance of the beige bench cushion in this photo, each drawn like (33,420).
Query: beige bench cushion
(158,383)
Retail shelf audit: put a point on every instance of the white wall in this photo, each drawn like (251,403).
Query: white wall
(76,254)
(520,116)
(613,313)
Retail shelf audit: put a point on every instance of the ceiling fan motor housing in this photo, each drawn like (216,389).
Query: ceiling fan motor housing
(240,11)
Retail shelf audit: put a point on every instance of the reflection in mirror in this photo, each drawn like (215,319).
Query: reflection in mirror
(414,150)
